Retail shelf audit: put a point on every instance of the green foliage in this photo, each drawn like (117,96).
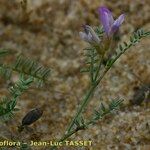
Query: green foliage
(29,71)
(93,63)
(8,104)
(4,52)
(20,86)
(134,39)
(80,123)
(27,67)
(103,110)
(5,71)
(31,68)
(99,31)
(93,60)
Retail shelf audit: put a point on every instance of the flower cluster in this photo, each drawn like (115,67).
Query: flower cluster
(110,27)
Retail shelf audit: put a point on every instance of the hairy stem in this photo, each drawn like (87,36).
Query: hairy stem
(99,68)
(81,107)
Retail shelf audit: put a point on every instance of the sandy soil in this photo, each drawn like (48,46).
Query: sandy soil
(49,33)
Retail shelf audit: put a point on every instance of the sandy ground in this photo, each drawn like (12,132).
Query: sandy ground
(49,34)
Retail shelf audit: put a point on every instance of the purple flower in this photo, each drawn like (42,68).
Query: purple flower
(109,24)
(89,35)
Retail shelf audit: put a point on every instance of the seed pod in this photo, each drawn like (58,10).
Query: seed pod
(32,116)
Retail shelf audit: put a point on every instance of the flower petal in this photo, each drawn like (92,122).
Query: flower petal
(84,36)
(91,34)
(106,19)
(117,23)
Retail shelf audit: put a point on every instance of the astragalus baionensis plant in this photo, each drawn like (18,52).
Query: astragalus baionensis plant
(100,40)
(100,49)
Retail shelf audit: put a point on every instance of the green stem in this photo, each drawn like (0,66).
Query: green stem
(81,107)
(86,100)
(66,136)
(99,68)
(92,67)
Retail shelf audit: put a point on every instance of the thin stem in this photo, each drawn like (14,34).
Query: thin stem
(86,100)
(92,68)
(81,107)
(99,67)
(66,136)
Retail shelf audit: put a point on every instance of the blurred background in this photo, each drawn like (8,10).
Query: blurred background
(47,31)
